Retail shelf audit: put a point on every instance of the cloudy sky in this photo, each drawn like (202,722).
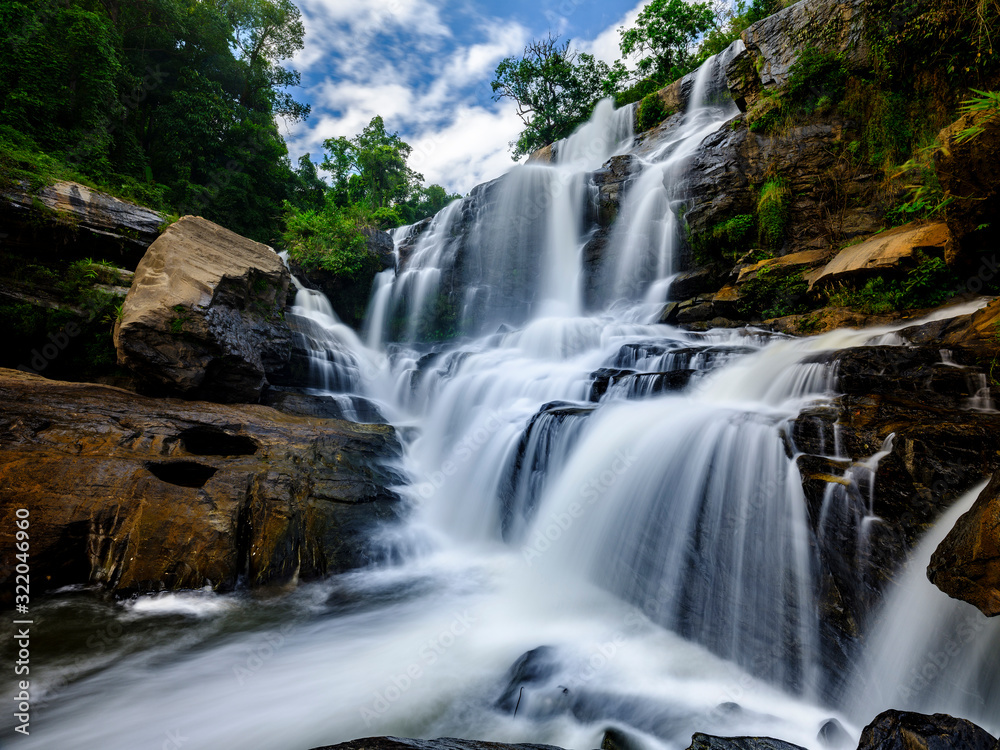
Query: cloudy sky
(426,67)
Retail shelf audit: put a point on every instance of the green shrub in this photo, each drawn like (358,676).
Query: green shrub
(772,213)
(773,293)
(331,239)
(652,111)
(816,74)
(727,240)
(929,284)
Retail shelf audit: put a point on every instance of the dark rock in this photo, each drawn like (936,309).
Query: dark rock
(341,406)
(442,743)
(692,283)
(203,318)
(532,669)
(78,220)
(903,730)
(966,565)
(967,174)
(693,312)
(645,383)
(616,739)
(833,735)
(707,742)
(138,494)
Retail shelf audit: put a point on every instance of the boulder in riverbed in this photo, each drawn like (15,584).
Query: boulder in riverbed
(905,730)
(204,317)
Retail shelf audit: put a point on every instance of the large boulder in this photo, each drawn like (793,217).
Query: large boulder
(708,742)
(904,730)
(137,494)
(889,253)
(204,315)
(966,565)
(442,743)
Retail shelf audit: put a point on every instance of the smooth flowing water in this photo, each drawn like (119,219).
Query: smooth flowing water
(605,526)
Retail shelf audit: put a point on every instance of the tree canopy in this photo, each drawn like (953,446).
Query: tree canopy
(665,33)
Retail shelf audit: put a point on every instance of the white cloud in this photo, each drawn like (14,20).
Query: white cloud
(430,86)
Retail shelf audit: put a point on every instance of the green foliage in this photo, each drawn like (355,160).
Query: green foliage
(726,240)
(987,102)
(652,112)
(773,293)
(815,74)
(555,89)
(929,284)
(772,213)
(370,168)
(664,34)
(639,90)
(331,239)
(730,22)
(925,196)
(169,103)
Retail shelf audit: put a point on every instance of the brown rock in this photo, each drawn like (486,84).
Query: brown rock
(804,260)
(904,730)
(203,318)
(138,494)
(966,565)
(968,174)
(893,251)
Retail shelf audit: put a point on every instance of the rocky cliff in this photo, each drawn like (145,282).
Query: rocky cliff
(130,493)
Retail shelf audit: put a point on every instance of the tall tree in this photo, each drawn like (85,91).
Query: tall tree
(555,89)
(665,33)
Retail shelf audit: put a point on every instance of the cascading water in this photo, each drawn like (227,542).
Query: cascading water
(606,529)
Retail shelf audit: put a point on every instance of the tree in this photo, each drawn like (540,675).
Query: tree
(370,168)
(666,30)
(555,90)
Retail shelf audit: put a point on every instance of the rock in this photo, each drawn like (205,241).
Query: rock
(707,742)
(442,743)
(693,311)
(830,204)
(805,261)
(903,730)
(967,173)
(97,224)
(890,253)
(692,283)
(966,565)
(203,318)
(338,406)
(543,155)
(833,735)
(138,494)
(834,27)
(636,383)
(669,314)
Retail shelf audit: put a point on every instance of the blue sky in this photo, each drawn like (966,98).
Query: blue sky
(426,66)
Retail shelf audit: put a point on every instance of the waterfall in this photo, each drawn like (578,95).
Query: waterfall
(605,517)
(943,654)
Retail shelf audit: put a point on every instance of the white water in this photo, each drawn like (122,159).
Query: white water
(653,554)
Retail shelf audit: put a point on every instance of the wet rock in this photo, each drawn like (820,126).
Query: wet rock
(203,318)
(890,253)
(342,406)
(693,311)
(707,742)
(966,565)
(531,669)
(138,494)
(442,743)
(833,735)
(616,739)
(692,283)
(903,730)
(638,383)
